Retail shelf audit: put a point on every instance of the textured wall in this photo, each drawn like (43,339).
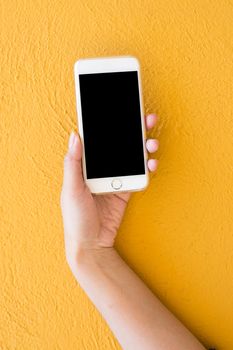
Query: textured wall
(177,235)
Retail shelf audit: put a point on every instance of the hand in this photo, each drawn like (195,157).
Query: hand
(91,221)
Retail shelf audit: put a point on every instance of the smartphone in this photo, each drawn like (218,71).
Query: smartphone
(111,123)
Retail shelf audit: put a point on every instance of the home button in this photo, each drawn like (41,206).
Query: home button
(116,184)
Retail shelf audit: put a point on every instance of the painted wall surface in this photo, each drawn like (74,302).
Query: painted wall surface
(178,234)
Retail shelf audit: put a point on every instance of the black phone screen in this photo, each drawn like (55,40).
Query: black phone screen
(112,124)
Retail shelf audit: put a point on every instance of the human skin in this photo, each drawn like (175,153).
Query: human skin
(135,315)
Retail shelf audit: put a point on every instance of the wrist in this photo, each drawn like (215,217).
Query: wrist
(86,260)
(94,256)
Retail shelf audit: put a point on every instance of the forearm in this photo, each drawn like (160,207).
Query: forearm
(136,317)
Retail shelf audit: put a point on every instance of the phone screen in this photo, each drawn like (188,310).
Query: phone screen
(112,127)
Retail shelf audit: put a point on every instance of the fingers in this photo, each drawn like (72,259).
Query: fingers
(152,145)
(151,120)
(73,183)
(152,164)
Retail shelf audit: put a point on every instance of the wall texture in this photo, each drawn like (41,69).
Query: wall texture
(177,235)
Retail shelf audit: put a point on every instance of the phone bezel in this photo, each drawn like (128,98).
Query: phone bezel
(107,65)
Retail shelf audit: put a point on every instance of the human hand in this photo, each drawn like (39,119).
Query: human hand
(91,221)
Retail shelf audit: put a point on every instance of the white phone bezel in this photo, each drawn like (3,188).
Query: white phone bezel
(106,65)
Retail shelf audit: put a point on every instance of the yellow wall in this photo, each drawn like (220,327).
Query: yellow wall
(178,234)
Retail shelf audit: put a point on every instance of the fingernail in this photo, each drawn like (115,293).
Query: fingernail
(152,164)
(71,140)
(152,145)
(153,116)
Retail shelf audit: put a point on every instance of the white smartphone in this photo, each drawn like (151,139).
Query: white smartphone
(111,124)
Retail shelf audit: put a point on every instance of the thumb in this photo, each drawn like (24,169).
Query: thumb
(73,183)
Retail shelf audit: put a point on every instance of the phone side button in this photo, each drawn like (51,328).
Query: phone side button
(116,184)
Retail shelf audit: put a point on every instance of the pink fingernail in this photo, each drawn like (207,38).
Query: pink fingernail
(71,139)
(152,164)
(152,145)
